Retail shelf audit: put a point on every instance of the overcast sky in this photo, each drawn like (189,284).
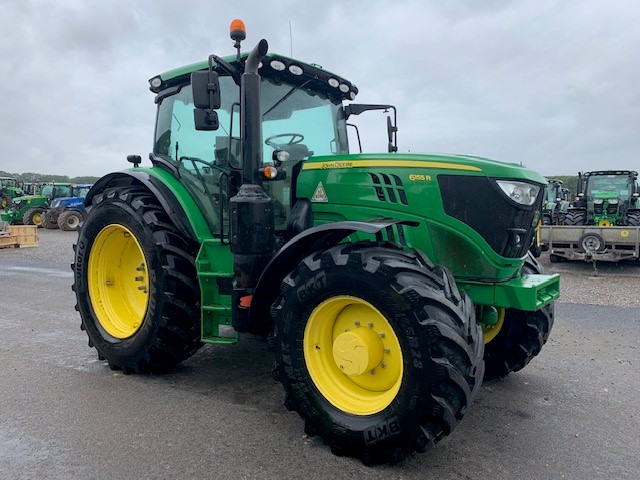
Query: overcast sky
(554,84)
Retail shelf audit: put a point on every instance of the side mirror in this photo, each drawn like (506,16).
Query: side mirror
(391,134)
(205,87)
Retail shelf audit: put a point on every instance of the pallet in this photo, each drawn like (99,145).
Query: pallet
(19,236)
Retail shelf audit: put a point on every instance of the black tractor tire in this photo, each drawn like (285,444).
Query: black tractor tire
(47,222)
(575,218)
(434,323)
(5,202)
(169,331)
(556,258)
(633,219)
(70,220)
(522,336)
(31,215)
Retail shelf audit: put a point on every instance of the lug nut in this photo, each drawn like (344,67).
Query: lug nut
(140,268)
(387,350)
(381,334)
(373,372)
(139,278)
(356,323)
(370,324)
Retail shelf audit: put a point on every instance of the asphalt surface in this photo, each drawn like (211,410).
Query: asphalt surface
(573,413)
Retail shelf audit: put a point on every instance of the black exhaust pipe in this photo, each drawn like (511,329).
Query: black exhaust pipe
(252,218)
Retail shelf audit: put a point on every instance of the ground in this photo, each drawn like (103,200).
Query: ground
(573,413)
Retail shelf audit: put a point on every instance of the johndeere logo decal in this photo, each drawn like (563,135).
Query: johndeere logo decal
(319,195)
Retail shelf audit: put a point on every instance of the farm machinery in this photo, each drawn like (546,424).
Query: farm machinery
(29,209)
(9,189)
(556,203)
(377,280)
(67,213)
(603,222)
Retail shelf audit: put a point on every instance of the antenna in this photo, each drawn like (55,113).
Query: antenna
(290,40)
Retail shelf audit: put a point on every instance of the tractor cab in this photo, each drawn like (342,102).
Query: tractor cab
(301,115)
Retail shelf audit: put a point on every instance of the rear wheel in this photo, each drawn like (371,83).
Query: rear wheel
(521,335)
(575,218)
(135,283)
(48,222)
(33,216)
(377,350)
(5,201)
(70,220)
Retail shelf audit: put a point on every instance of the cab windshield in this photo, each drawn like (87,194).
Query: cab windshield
(302,121)
(608,183)
(82,191)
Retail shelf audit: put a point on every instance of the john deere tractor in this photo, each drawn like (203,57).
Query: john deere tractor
(606,198)
(376,279)
(556,203)
(9,189)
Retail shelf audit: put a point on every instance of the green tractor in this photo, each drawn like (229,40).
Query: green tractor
(387,285)
(29,209)
(556,203)
(9,189)
(606,198)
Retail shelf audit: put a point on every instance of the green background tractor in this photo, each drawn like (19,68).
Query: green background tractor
(9,189)
(376,279)
(606,198)
(556,203)
(29,209)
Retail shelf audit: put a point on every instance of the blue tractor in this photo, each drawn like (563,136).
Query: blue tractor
(67,213)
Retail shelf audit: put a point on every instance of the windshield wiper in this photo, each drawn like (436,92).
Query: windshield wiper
(286,95)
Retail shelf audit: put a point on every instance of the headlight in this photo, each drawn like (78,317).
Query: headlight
(520,192)
(614,201)
(598,201)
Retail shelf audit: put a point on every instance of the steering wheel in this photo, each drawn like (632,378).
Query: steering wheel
(295,139)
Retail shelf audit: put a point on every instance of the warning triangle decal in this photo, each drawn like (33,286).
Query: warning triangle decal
(320,195)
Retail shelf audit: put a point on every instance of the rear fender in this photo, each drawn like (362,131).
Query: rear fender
(157,187)
(312,240)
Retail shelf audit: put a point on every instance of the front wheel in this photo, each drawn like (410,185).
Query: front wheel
(377,350)
(135,282)
(521,334)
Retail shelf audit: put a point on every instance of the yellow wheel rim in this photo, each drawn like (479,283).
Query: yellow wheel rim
(118,281)
(37,218)
(490,332)
(353,355)
(604,223)
(539,233)
(4,203)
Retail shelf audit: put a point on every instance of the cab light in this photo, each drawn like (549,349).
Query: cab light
(277,65)
(155,82)
(270,172)
(344,88)
(334,83)
(295,69)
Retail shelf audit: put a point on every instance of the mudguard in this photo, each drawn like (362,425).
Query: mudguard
(314,239)
(167,199)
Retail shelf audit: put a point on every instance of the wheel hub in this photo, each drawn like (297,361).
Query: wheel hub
(353,355)
(358,351)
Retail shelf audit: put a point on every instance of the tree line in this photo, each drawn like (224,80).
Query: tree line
(44,177)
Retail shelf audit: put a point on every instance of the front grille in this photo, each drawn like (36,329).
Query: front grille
(507,227)
(597,207)
(389,188)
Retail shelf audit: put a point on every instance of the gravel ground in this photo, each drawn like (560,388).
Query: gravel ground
(614,284)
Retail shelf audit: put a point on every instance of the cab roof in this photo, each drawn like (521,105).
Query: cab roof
(273,66)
